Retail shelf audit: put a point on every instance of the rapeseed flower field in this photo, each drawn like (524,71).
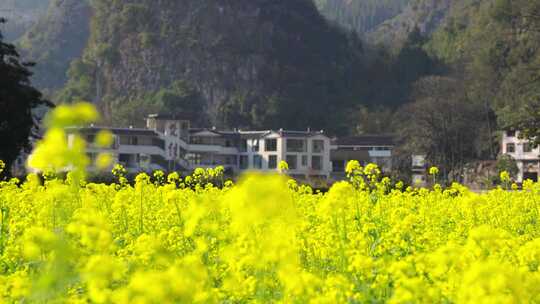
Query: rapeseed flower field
(202,239)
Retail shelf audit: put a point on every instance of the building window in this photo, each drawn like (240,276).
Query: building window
(292,161)
(272,162)
(511,133)
(255,145)
(228,143)
(243,162)
(158,143)
(527,148)
(296,145)
(418,161)
(243,145)
(230,160)
(195,158)
(530,165)
(257,162)
(123,158)
(316,163)
(338,166)
(270,145)
(304,160)
(124,140)
(134,141)
(318,146)
(510,148)
(90,138)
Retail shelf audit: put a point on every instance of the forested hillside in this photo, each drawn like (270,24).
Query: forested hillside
(257,64)
(271,64)
(264,64)
(491,49)
(249,63)
(496,45)
(425,15)
(387,22)
(474,69)
(56,39)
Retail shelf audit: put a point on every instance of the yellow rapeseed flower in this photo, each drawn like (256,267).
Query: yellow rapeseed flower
(104,139)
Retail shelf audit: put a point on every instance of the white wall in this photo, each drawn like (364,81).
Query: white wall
(519,155)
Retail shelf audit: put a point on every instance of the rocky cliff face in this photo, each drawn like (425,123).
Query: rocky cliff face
(271,63)
(363,16)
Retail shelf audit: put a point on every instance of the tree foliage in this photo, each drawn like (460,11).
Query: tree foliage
(17,100)
(442,124)
(497,44)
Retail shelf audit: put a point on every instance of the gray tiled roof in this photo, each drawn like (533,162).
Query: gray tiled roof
(365,140)
(257,134)
(286,133)
(116,131)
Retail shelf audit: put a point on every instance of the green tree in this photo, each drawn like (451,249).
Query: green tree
(17,100)
(496,43)
(442,124)
(378,120)
(507,163)
(180,97)
(518,104)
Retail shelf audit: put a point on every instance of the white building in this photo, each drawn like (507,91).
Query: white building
(138,149)
(307,153)
(419,170)
(527,157)
(160,146)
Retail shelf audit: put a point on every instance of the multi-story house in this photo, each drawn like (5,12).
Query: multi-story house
(137,149)
(210,148)
(160,146)
(527,157)
(365,149)
(307,153)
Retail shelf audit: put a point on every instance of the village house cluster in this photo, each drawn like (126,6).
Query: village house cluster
(169,143)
